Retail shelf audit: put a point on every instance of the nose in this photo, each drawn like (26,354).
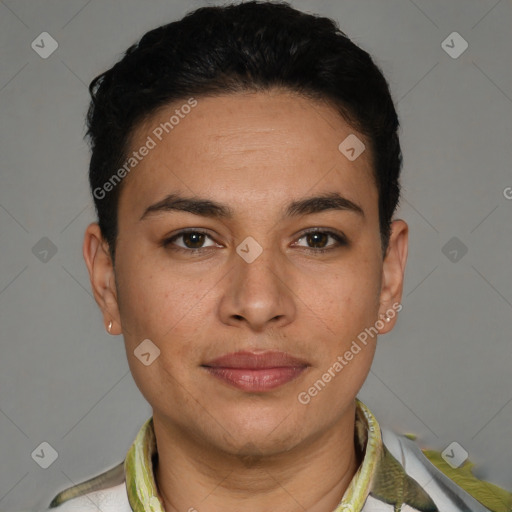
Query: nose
(259,292)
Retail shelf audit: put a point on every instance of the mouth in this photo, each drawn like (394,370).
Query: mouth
(256,372)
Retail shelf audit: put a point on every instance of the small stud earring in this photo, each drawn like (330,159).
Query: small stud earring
(109,328)
(388,319)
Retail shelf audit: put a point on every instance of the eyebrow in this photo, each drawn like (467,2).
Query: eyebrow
(209,208)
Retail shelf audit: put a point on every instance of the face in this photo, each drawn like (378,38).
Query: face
(254,265)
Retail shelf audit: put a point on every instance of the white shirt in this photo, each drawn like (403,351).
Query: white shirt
(394,472)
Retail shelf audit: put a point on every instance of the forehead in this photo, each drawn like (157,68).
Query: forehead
(271,145)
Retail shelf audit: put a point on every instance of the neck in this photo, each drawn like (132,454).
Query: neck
(312,477)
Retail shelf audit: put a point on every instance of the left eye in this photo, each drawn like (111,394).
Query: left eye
(317,240)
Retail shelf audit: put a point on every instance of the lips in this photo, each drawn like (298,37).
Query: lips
(256,361)
(256,372)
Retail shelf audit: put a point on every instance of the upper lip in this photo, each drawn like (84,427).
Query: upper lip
(256,360)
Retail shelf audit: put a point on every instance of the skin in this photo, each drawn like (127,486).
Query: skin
(221,448)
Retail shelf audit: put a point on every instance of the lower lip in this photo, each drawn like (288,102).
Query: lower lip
(263,379)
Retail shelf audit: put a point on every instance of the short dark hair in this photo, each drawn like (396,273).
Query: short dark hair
(245,47)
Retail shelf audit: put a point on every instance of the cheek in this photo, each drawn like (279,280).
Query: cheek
(167,308)
(149,302)
(349,297)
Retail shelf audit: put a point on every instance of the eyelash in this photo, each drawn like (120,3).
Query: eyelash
(340,239)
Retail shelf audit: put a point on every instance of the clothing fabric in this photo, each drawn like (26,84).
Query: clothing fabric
(394,475)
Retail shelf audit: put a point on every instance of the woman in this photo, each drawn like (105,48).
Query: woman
(245,171)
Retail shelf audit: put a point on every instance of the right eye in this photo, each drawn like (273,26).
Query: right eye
(192,241)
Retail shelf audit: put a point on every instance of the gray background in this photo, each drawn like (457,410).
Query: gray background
(443,373)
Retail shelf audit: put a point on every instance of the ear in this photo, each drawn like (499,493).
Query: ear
(393,271)
(102,276)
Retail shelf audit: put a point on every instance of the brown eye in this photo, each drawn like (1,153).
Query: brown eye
(192,241)
(317,241)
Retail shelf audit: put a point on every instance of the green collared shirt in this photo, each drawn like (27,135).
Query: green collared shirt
(380,484)
(143,493)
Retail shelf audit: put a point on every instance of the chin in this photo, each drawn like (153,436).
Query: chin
(257,445)
(261,434)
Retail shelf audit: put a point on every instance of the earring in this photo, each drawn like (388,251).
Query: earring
(386,318)
(109,328)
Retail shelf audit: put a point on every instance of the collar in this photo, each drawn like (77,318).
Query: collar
(379,473)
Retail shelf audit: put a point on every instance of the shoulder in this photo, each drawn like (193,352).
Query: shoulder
(112,499)
(450,489)
(105,492)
